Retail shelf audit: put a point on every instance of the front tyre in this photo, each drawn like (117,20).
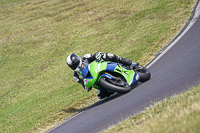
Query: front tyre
(110,85)
(143,72)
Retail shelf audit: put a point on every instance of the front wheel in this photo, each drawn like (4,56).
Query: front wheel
(143,72)
(116,86)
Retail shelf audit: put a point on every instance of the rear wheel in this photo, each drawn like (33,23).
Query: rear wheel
(143,72)
(114,85)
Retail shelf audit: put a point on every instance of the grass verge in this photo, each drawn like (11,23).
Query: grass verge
(179,113)
(37,90)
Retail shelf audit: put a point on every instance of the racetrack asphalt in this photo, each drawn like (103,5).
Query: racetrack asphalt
(175,71)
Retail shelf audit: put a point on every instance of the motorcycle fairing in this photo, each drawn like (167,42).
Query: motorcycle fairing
(111,66)
(91,73)
(135,80)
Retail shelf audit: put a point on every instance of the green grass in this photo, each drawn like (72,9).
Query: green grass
(177,114)
(37,90)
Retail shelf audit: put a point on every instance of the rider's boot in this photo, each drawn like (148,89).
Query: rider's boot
(134,66)
(103,94)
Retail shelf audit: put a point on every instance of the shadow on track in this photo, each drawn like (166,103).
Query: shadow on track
(112,97)
(102,101)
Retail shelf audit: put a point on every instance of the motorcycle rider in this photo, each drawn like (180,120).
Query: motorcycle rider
(78,64)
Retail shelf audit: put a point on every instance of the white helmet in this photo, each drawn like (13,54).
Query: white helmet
(73,61)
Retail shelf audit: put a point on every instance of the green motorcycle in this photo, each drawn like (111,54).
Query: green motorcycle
(113,77)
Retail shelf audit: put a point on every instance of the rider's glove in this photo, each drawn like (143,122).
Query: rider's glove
(98,56)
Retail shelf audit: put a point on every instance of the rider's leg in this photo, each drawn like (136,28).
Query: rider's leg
(130,67)
(118,59)
(124,61)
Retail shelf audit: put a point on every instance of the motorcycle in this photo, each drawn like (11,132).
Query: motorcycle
(114,77)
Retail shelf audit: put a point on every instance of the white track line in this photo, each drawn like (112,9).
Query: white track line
(195,17)
(65,122)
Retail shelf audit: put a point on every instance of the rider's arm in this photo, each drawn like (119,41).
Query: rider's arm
(91,58)
(95,56)
(77,79)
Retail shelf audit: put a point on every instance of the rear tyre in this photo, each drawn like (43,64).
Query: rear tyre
(144,73)
(109,85)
